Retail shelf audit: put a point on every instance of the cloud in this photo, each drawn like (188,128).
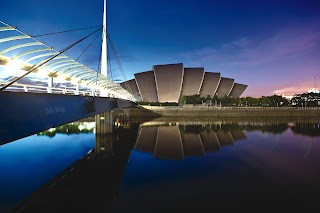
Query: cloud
(250,52)
(301,87)
(280,62)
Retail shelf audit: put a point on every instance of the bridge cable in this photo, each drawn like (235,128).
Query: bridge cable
(65,31)
(77,58)
(46,61)
(109,66)
(79,55)
(82,52)
(119,64)
(99,67)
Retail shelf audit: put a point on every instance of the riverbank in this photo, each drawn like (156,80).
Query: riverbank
(216,112)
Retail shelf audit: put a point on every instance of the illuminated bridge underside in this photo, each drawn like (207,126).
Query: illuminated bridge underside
(30,54)
(169,82)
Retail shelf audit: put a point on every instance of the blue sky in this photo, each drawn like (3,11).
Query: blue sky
(272,46)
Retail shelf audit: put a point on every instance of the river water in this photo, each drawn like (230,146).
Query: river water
(163,165)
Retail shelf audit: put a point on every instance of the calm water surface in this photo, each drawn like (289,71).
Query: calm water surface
(163,165)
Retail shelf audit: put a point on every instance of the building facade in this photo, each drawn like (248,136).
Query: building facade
(170,82)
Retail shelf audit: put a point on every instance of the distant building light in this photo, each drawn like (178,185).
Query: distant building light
(313,90)
(288,97)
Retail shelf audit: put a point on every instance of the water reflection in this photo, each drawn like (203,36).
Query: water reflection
(307,128)
(78,186)
(176,140)
(193,165)
(72,128)
(132,165)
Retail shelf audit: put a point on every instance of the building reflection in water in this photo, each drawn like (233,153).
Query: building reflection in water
(78,188)
(179,140)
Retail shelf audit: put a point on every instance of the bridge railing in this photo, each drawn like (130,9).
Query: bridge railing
(18,87)
(200,107)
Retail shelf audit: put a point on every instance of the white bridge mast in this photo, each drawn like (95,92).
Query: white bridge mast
(103,60)
(104,69)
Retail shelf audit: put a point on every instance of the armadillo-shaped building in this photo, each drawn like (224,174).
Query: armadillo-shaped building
(170,82)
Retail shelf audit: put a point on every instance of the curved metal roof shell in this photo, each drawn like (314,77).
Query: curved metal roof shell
(30,52)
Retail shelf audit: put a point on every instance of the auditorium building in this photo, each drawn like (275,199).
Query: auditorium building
(170,82)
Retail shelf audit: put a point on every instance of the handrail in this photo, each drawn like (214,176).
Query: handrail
(18,87)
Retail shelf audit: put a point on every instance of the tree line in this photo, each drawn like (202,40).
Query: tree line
(298,100)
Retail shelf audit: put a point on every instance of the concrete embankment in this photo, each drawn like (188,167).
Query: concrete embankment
(218,112)
(136,112)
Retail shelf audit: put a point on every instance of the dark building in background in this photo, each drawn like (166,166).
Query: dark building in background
(169,82)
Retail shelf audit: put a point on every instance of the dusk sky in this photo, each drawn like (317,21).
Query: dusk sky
(272,46)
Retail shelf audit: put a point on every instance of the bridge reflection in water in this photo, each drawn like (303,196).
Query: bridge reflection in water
(94,183)
(90,184)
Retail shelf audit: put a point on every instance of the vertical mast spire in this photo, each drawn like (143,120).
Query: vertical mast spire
(104,70)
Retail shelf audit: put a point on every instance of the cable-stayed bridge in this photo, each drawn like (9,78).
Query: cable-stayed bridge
(41,87)
(21,53)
